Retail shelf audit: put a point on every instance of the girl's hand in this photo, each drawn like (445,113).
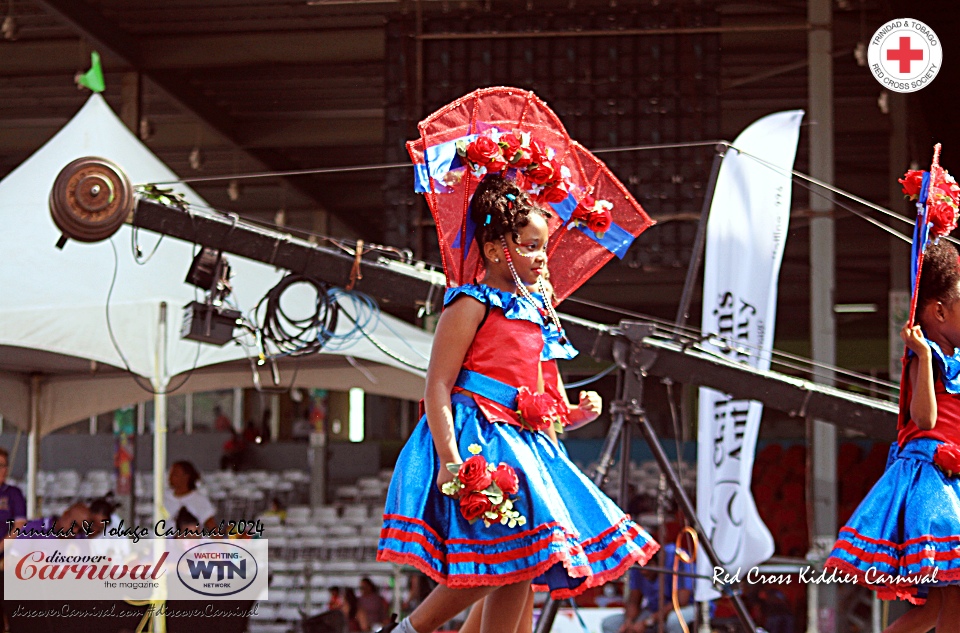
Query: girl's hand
(445,476)
(591,404)
(915,341)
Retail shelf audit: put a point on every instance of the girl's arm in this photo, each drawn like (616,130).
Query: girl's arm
(586,411)
(455,331)
(923,402)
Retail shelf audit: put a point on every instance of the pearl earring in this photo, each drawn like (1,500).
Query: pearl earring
(497,260)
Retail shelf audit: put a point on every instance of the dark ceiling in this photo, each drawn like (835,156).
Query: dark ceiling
(268,85)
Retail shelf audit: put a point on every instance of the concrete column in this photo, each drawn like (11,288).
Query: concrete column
(823,479)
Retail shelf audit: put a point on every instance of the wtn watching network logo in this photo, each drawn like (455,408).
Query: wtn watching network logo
(217,569)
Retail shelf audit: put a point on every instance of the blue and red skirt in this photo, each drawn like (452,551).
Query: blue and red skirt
(904,538)
(574,537)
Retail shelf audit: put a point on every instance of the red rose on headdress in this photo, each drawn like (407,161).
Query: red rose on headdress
(599,221)
(523,158)
(543,172)
(911,181)
(554,193)
(584,209)
(511,145)
(536,409)
(947,458)
(474,504)
(949,189)
(506,479)
(473,474)
(943,216)
(538,152)
(485,152)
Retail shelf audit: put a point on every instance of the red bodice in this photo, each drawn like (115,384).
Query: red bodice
(507,350)
(947,428)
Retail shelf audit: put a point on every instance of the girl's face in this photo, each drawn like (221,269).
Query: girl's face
(950,325)
(529,252)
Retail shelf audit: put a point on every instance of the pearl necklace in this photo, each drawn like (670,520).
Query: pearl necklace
(547,310)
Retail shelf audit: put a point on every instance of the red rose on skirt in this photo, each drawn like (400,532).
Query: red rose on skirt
(599,221)
(473,474)
(911,181)
(947,458)
(506,479)
(474,504)
(536,409)
(943,216)
(485,152)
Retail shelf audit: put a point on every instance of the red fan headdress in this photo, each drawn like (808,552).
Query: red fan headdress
(511,131)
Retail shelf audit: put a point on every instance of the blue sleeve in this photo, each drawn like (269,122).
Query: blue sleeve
(18,504)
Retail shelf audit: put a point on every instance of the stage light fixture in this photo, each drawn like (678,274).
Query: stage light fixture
(203,271)
(209,321)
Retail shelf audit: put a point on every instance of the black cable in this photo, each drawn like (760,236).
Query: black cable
(298,337)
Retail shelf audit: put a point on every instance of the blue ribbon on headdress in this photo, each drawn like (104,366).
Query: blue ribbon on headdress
(921,230)
(443,158)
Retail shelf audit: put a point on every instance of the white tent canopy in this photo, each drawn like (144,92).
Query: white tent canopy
(56,354)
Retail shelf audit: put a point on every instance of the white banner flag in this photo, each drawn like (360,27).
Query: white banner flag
(746,231)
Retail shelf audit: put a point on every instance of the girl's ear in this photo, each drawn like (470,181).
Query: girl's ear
(491,250)
(940,311)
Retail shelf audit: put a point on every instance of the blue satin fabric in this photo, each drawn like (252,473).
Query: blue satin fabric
(908,525)
(518,307)
(489,388)
(575,537)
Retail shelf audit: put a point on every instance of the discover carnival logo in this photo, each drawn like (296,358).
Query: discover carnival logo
(217,569)
(905,55)
(122,569)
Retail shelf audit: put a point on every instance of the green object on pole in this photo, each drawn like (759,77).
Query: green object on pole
(93,78)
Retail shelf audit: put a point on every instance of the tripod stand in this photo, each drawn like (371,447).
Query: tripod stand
(633,359)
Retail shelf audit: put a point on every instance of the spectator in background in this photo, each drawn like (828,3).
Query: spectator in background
(645,610)
(101,513)
(233,450)
(372,607)
(183,493)
(220,420)
(13,505)
(350,609)
(250,434)
(336,600)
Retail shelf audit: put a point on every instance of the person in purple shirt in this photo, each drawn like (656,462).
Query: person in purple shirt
(13,505)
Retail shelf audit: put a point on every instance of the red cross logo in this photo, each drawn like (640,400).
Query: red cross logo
(905,55)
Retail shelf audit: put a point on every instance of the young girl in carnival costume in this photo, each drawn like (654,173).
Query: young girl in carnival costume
(570,416)
(903,539)
(518,511)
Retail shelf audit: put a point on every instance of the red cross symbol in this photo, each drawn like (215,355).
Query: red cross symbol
(905,54)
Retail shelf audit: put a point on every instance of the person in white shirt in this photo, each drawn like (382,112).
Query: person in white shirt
(183,494)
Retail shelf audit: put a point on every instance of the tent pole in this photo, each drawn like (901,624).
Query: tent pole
(160,440)
(160,418)
(33,445)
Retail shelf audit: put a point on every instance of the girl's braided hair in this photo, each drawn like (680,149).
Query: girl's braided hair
(939,276)
(507,215)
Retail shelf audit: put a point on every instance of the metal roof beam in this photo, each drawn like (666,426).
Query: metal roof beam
(111,38)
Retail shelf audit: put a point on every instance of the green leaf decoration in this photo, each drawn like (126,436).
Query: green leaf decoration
(93,78)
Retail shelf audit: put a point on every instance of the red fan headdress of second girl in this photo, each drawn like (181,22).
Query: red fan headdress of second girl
(511,131)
